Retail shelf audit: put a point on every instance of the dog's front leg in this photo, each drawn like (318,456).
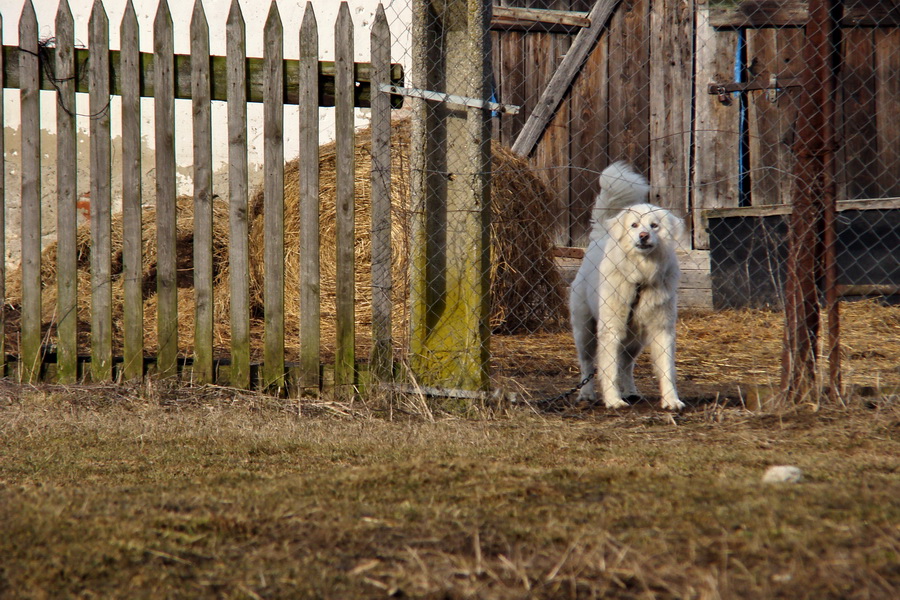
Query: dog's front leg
(612,329)
(662,354)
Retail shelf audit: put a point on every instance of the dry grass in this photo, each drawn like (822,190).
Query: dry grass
(161,491)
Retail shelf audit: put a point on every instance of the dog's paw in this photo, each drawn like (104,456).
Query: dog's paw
(671,404)
(615,403)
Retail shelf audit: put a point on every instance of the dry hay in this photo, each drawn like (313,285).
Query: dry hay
(722,351)
(527,291)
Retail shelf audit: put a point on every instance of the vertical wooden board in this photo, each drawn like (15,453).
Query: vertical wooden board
(551,161)
(589,140)
(671,23)
(887,102)
(273,204)
(29,86)
(512,84)
(344,226)
(308,166)
(101,196)
(66,218)
(238,196)
(132,243)
(166,273)
(203,194)
(382,286)
(2,227)
(771,124)
(629,106)
(716,133)
(856,173)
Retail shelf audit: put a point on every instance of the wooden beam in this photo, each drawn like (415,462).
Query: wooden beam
(795,13)
(504,15)
(254,67)
(562,78)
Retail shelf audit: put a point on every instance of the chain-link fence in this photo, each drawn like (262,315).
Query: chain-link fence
(511,111)
(707,101)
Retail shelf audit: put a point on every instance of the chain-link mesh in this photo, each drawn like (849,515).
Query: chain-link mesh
(512,111)
(703,99)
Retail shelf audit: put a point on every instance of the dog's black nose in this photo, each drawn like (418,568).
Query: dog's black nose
(644,236)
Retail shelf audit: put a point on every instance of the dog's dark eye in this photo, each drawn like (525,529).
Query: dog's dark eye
(654,225)
(634,224)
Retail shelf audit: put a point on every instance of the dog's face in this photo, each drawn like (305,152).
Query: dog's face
(645,227)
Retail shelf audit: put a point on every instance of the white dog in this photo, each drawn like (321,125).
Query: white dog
(624,295)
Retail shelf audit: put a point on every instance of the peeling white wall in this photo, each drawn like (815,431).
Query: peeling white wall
(255,13)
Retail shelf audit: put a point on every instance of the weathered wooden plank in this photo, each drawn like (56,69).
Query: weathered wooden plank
(716,133)
(671,107)
(629,105)
(218,68)
(203,194)
(132,226)
(166,273)
(562,78)
(503,15)
(101,198)
(795,13)
(273,203)
(589,139)
(771,124)
(382,286)
(345,289)
(541,59)
(238,195)
(887,102)
(308,166)
(31,195)
(856,170)
(511,84)
(2,228)
(66,217)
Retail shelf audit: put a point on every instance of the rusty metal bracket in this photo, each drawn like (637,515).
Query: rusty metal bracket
(773,86)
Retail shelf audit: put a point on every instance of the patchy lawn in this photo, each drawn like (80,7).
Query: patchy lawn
(159,491)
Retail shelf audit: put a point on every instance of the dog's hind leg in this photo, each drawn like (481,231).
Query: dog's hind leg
(630,352)
(584,329)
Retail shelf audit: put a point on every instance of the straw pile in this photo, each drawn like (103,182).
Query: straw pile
(527,291)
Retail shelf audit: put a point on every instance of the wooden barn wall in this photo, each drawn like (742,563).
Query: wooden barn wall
(621,106)
(642,96)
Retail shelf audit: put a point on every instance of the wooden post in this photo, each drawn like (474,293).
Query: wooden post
(806,252)
(166,233)
(203,197)
(345,292)
(66,217)
(273,209)
(382,287)
(238,244)
(29,70)
(450,196)
(132,226)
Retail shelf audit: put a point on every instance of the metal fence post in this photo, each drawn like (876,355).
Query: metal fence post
(450,286)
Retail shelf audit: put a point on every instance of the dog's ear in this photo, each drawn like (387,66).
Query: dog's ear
(616,225)
(673,228)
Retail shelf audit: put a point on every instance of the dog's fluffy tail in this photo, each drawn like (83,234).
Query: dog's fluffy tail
(620,187)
